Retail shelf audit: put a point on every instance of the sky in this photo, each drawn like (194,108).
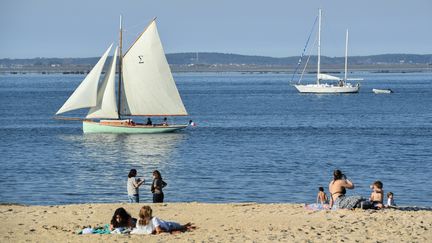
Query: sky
(278,28)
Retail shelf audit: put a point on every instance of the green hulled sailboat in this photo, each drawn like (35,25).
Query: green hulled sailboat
(145,88)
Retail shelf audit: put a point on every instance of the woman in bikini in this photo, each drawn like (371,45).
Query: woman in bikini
(337,189)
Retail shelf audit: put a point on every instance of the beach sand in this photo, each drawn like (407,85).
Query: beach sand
(241,222)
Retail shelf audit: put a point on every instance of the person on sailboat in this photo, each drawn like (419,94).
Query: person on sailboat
(149,122)
(165,122)
(192,123)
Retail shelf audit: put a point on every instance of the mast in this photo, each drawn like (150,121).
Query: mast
(120,69)
(319,45)
(346,55)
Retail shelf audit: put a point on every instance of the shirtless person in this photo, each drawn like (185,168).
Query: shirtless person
(377,195)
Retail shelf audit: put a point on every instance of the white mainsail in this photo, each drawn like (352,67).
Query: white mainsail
(323,76)
(86,94)
(148,86)
(106,106)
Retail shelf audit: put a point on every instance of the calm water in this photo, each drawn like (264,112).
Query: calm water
(257,139)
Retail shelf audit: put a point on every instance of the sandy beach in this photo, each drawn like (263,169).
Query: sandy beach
(242,222)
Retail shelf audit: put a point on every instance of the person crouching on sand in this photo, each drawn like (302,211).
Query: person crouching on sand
(147,224)
(377,195)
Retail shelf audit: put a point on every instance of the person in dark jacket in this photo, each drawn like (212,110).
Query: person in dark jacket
(156,188)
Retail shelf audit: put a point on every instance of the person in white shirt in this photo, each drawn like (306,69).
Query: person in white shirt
(133,185)
(390,200)
(147,224)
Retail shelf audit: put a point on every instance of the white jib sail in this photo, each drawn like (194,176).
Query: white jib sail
(148,85)
(106,106)
(85,95)
(323,76)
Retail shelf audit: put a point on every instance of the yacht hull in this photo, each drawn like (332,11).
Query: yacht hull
(382,91)
(327,89)
(97,127)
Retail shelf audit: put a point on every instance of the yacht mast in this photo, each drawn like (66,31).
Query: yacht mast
(120,68)
(346,55)
(319,46)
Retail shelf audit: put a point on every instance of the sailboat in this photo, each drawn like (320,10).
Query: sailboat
(145,88)
(342,85)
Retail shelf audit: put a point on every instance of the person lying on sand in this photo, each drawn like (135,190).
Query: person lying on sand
(122,221)
(147,224)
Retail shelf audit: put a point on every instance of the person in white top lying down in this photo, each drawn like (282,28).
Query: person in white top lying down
(147,224)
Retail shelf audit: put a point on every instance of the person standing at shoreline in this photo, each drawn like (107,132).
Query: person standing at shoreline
(156,188)
(133,185)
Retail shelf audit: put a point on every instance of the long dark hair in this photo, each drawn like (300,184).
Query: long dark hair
(132,173)
(158,174)
(337,175)
(124,218)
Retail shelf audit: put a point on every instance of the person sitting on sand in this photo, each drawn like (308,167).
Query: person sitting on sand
(390,200)
(322,196)
(147,224)
(122,220)
(337,189)
(377,195)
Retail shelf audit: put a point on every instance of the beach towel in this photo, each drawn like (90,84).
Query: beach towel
(317,206)
(350,202)
(96,230)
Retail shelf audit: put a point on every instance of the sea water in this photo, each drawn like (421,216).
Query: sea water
(256,140)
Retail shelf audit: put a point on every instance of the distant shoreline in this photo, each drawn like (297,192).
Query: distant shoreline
(226,62)
(258,69)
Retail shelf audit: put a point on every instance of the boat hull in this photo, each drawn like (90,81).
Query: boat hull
(382,91)
(327,89)
(96,127)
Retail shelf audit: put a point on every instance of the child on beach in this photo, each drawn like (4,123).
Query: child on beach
(147,224)
(156,188)
(322,196)
(390,200)
(133,185)
(121,221)
(377,195)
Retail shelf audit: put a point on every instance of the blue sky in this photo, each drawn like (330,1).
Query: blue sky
(85,28)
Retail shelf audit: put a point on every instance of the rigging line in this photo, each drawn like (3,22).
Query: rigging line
(307,61)
(304,50)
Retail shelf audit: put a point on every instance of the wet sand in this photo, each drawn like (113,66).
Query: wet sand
(242,222)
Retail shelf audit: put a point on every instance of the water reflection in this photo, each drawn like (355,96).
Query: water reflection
(133,149)
(112,155)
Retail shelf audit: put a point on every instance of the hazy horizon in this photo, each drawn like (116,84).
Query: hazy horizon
(275,28)
(42,57)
